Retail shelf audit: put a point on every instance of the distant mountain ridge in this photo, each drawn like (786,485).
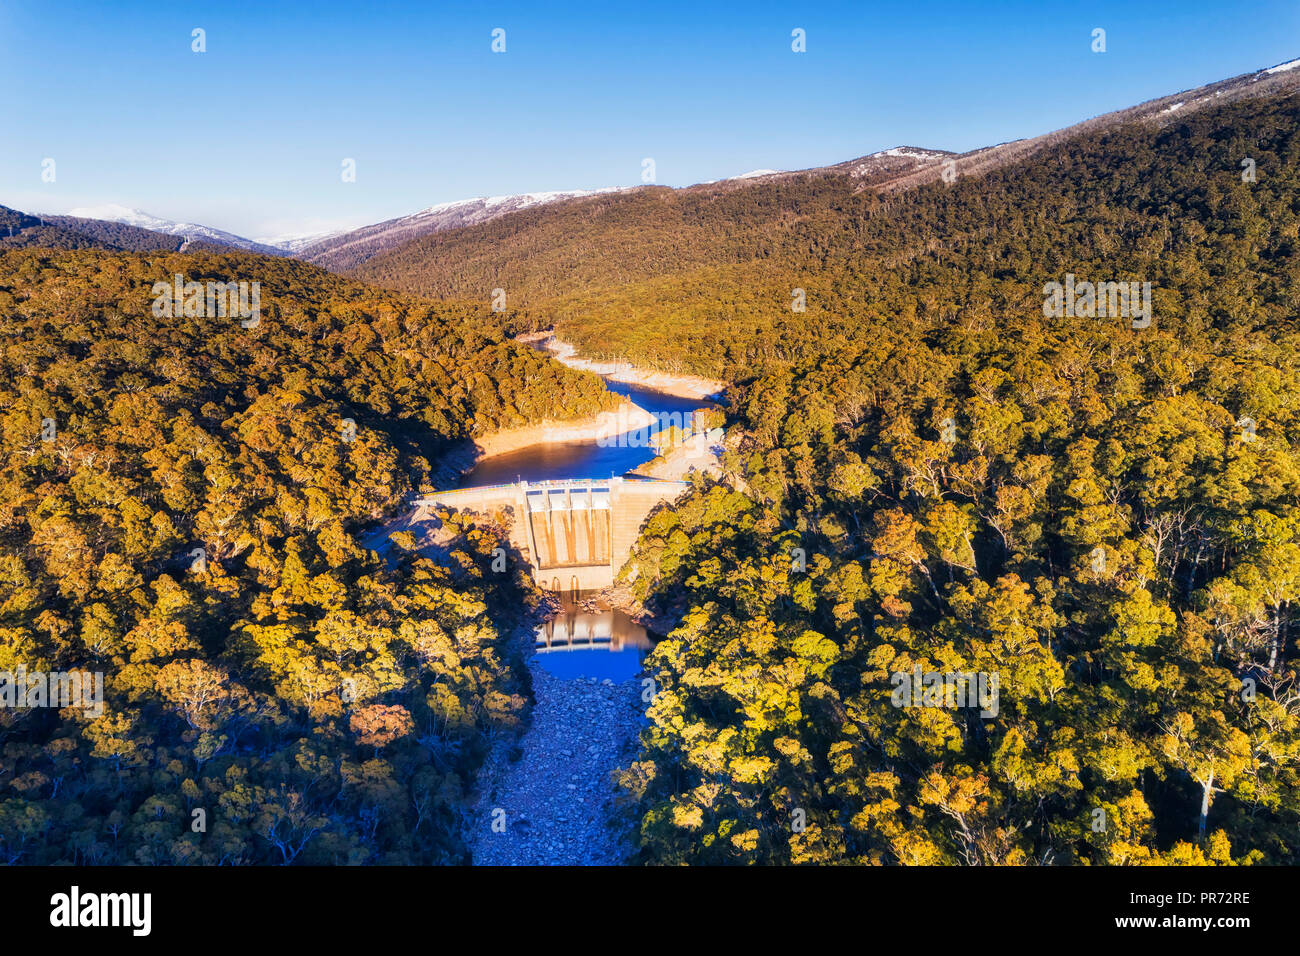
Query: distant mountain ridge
(889,170)
(19,230)
(293,243)
(565,253)
(349,249)
(1160,111)
(110,224)
(193,232)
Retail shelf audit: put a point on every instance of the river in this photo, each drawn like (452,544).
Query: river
(559,801)
(585,459)
(593,641)
(586,639)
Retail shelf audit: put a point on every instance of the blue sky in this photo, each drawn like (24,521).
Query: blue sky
(250,135)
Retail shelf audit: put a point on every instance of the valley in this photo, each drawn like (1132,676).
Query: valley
(548,796)
(906,465)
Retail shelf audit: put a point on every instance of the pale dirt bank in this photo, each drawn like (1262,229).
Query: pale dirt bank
(464,456)
(683,386)
(628,417)
(701,452)
(593,428)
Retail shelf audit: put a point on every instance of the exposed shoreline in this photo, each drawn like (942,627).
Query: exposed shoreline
(680,386)
(546,793)
(462,458)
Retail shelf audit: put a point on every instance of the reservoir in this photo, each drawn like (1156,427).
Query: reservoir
(585,459)
(586,639)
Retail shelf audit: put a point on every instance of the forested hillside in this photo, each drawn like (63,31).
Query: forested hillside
(118,235)
(938,477)
(179,506)
(19,230)
(926,474)
(1104,516)
(703,279)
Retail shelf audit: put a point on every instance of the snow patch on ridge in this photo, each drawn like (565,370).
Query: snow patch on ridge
(519,201)
(115,212)
(292,242)
(909,152)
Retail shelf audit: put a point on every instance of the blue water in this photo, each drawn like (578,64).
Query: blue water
(586,459)
(583,640)
(617,666)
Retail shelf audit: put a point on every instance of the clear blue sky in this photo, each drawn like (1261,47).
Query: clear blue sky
(249,136)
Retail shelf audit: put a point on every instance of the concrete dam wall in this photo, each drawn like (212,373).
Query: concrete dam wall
(576,533)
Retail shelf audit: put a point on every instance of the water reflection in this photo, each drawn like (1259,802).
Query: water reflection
(555,460)
(585,459)
(586,640)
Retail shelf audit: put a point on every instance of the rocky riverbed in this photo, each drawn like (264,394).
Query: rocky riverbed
(551,799)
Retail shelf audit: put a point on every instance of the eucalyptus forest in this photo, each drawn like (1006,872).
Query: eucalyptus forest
(923,472)
(1102,514)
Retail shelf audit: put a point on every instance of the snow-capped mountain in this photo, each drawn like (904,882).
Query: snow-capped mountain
(342,250)
(887,170)
(1280,68)
(752,174)
(346,249)
(293,242)
(888,162)
(112,212)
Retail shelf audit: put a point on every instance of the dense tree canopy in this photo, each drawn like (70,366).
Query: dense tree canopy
(925,475)
(938,477)
(180,500)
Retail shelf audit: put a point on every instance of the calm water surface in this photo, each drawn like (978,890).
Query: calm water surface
(585,459)
(583,640)
(600,643)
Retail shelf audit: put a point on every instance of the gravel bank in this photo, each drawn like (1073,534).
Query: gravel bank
(558,799)
(683,386)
